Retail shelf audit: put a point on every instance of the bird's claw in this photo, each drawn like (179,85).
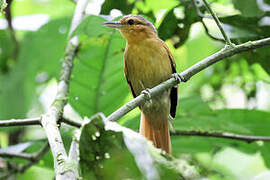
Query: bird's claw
(179,77)
(147,93)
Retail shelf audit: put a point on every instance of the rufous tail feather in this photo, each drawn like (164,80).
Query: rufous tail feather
(159,135)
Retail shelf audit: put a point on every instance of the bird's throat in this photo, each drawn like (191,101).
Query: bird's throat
(136,36)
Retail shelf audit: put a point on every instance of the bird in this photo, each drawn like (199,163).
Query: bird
(147,63)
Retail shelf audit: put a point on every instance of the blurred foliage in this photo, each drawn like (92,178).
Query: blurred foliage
(177,23)
(124,5)
(55,9)
(7,48)
(3,5)
(98,84)
(248,8)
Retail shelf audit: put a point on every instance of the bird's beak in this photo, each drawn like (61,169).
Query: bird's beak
(113,24)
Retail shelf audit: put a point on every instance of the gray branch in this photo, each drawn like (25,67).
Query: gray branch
(35,121)
(20,122)
(227,51)
(33,159)
(26,156)
(71,122)
(36,158)
(248,139)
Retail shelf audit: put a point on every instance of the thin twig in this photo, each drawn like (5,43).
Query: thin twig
(35,158)
(7,175)
(17,155)
(199,13)
(8,15)
(228,51)
(35,121)
(227,39)
(201,16)
(71,122)
(248,139)
(20,122)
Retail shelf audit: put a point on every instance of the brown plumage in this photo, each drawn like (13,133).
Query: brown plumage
(148,62)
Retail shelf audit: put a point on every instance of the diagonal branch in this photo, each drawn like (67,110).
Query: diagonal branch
(36,158)
(248,139)
(71,122)
(20,122)
(227,51)
(33,159)
(26,156)
(227,39)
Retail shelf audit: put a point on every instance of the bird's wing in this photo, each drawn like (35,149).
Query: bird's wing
(174,90)
(128,81)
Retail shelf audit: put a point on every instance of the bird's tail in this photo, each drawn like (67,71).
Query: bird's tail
(157,132)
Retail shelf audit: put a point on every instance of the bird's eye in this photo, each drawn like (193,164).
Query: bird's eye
(131,21)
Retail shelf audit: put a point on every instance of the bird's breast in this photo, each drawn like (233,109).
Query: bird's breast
(147,64)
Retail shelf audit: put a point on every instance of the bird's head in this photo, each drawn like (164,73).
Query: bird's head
(134,28)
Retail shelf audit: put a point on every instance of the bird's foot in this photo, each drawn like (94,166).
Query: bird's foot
(179,77)
(148,94)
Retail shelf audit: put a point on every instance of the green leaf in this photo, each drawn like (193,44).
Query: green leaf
(260,56)
(260,73)
(108,150)
(196,115)
(30,148)
(248,8)
(242,29)
(36,172)
(123,5)
(195,144)
(177,23)
(154,6)
(6,50)
(247,28)
(97,78)
(38,61)
(103,153)
(168,26)
(265,151)
(92,26)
